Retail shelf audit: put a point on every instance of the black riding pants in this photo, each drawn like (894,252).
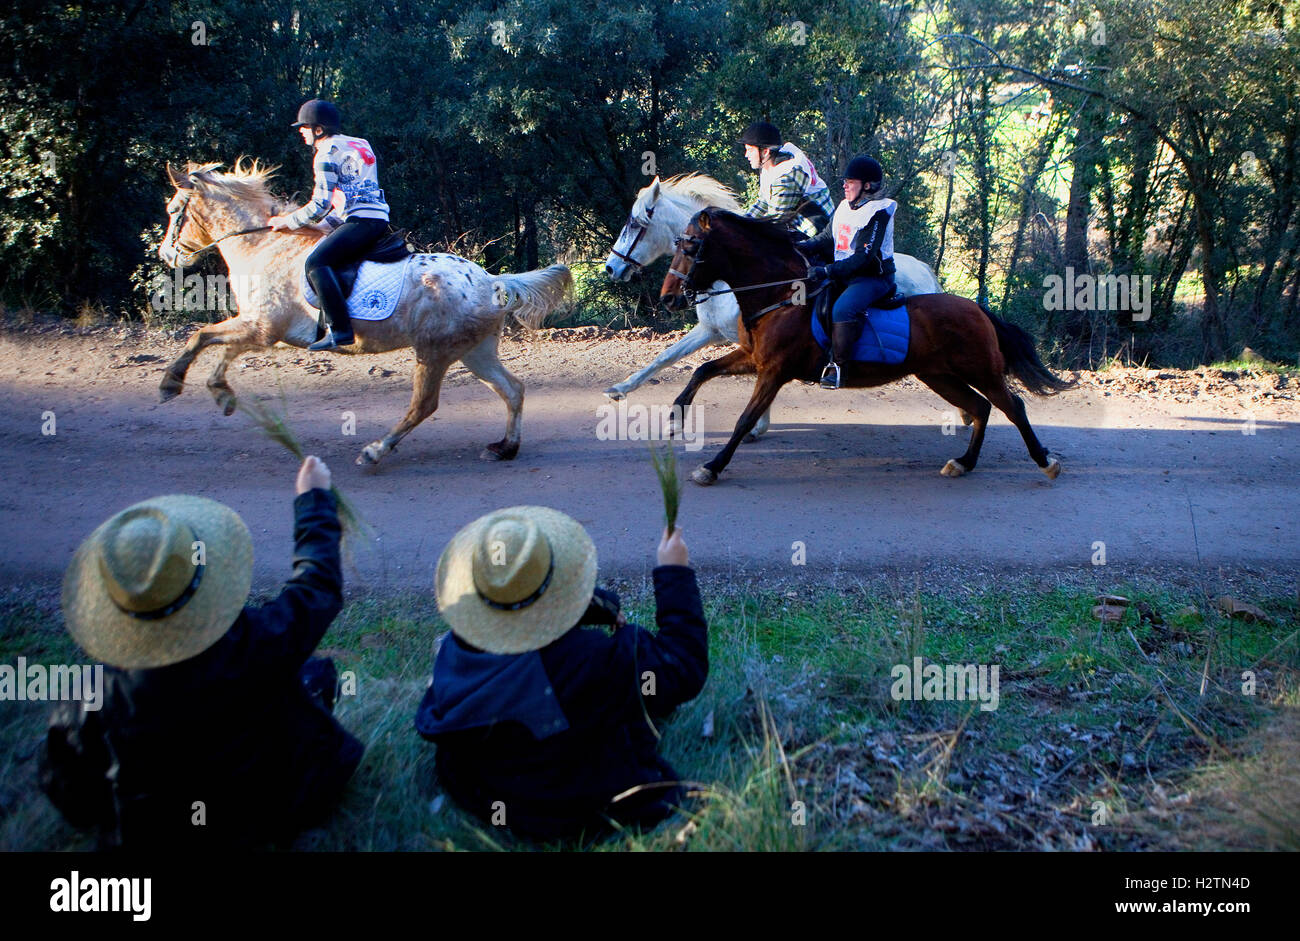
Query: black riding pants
(346,244)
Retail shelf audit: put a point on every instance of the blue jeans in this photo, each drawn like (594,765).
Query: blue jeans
(860,294)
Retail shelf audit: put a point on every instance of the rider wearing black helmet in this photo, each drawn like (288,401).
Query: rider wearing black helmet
(862,235)
(789,190)
(347,164)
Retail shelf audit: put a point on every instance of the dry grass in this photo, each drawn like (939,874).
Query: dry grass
(275,426)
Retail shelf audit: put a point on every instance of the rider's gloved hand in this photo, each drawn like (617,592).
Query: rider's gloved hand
(818,273)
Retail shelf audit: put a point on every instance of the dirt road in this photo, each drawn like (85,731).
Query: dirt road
(1170,472)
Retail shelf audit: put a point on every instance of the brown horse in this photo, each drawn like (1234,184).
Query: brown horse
(957,348)
(450,309)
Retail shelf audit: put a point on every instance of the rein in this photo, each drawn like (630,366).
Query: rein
(696,296)
(747,287)
(179,224)
(211,245)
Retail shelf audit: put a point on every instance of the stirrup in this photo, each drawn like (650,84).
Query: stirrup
(832,368)
(331,341)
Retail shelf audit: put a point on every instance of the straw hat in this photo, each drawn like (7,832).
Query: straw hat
(134,595)
(516,579)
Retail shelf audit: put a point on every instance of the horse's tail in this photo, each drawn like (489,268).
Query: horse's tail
(531,296)
(1022,359)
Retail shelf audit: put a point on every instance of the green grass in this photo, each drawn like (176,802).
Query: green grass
(808,750)
(1256,366)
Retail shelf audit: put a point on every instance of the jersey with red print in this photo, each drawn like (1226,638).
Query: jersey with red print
(348,165)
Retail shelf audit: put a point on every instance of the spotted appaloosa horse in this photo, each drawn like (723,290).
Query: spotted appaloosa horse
(660,214)
(957,348)
(451,309)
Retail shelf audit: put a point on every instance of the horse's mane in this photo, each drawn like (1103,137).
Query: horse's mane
(246,181)
(702,187)
(758,228)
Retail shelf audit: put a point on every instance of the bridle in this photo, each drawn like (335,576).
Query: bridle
(682,243)
(173,244)
(641,231)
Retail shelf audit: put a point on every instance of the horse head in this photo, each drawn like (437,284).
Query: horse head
(208,204)
(642,240)
(689,269)
(187,231)
(659,213)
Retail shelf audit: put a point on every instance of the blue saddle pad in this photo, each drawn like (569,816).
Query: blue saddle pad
(885,336)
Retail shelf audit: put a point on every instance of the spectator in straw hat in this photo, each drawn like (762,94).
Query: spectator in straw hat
(215,728)
(544,721)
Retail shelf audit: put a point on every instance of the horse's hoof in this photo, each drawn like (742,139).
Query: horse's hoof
(1052,469)
(613,394)
(703,476)
(751,437)
(369,455)
(967,418)
(954,468)
(227,405)
(167,393)
(499,451)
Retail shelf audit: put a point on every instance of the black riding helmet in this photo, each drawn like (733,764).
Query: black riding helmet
(319,112)
(866,171)
(761,134)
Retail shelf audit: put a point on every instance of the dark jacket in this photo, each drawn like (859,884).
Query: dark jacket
(866,261)
(548,739)
(232,728)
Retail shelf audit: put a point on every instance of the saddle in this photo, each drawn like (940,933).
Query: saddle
(390,247)
(826,300)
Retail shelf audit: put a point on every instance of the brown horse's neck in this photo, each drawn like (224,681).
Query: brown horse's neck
(748,262)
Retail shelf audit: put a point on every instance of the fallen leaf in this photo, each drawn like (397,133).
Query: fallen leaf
(1108,613)
(1240,610)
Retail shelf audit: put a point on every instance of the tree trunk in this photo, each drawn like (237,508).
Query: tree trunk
(1213,339)
(530,235)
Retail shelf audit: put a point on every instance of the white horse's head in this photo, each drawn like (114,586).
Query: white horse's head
(207,204)
(660,214)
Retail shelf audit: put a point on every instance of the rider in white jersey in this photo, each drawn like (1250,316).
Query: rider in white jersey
(862,236)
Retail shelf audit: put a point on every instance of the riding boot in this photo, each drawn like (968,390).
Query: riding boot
(335,308)
(844,337)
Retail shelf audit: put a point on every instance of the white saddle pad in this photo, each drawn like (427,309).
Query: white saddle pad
(377,292)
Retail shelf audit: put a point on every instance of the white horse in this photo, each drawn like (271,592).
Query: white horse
(451,309)
(660,214)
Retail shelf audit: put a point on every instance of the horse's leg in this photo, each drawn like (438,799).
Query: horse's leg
(235,331)
(735,363)
(426,382)
(995,390)
(217,384)
(485,363)
(765,391)
(698,338)
(971,403)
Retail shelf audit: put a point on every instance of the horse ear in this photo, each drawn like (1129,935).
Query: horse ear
(703,220)
(179,180)
(654,189)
